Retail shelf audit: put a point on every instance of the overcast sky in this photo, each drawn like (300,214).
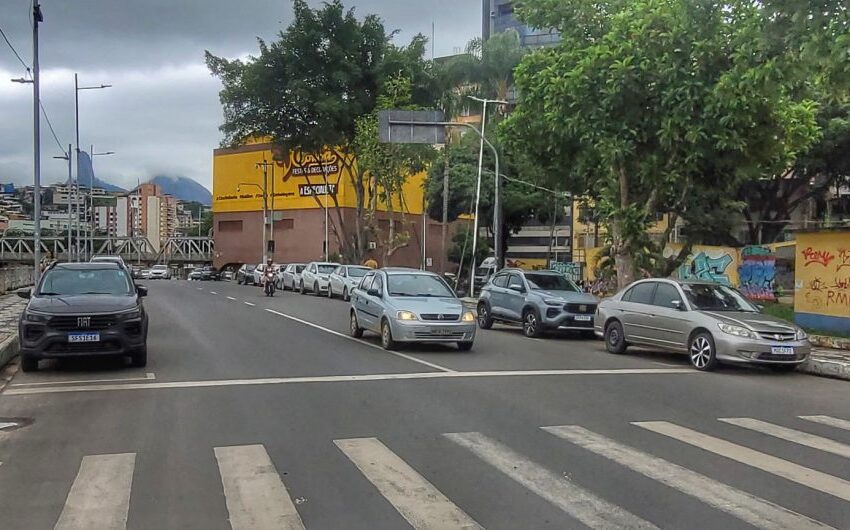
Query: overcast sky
(162,115)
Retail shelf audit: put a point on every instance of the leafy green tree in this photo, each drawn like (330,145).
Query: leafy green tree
(646,103)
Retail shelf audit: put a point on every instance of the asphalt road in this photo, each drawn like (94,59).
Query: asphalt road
(262,413)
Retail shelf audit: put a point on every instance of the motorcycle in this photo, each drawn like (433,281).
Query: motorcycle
(268,285)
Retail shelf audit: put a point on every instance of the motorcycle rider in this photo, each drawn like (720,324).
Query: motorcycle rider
(269,278)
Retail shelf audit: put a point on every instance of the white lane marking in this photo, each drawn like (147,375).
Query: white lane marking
(416,499)
(213,292)
(829,420)
(256,498)
(754,510)
(100,495)
(249,303)
(816,480)
(343,379)
(579,503)
(230,298)
(343,335)
(4,424)
(199,288)
(791,435)
(148,377)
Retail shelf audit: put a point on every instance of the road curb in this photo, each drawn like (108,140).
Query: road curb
(826,368)
(824,341)
(8,351)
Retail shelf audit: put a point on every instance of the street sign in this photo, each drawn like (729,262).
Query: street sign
(411,127)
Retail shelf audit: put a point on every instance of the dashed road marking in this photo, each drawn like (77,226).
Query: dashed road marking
(230,298)
(249,303)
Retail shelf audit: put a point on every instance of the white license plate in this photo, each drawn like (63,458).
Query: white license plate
(83,337)
(583,318)
(442,331)
(782,350)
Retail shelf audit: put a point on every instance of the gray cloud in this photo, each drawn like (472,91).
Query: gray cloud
(162,114)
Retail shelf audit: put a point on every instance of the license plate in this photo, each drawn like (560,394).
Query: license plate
(83,337)
(442,331)
(583,318)
(782,350)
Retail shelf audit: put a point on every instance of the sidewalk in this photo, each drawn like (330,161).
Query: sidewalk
(10,310)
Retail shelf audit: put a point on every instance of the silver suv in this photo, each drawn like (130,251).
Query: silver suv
(710,322)
(539,300)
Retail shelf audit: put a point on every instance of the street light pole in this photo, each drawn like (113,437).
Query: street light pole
(36,106)
(497,205)
(92,154)
(265,208)
(77,89)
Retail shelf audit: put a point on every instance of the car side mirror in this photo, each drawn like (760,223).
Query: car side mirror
(677,304)
(516,287)
(374,292)
(25,293)
(141,290)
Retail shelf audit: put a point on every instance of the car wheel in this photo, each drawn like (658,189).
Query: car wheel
(387,335)
(464,346)
(354,328)
(139,358)
(345,295)
(615,339)
(485,319)
(531,325)
(301,290)
(29,363)
(316,290)
(702,352)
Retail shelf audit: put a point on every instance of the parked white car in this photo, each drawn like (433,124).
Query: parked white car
(159,272)
(345,279)
(290,278)
(257,274)
(316,277)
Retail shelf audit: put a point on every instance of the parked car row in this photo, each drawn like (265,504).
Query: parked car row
(711,323)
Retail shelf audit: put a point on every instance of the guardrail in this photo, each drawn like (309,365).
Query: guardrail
(138,249)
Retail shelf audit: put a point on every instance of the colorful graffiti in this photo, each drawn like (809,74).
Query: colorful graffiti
(708,265)
(571,270)
(757,272)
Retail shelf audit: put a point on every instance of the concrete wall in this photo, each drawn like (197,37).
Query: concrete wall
(822,281)
(13,278)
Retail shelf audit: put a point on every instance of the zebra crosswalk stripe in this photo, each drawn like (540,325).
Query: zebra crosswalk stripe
(816,480)
(791,435)
(416,499)
(100,495)
(579,503)
(255,496)
(829,420)
(749,508)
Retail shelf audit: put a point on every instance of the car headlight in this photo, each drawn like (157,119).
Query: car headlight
(406,315)
(131,314)
(36,317)
(469,316)
(737,331)
(801,335)
(554,301)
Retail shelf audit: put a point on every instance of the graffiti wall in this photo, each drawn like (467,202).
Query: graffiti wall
(822,281)
(571,270)
(757,272)
(713,264)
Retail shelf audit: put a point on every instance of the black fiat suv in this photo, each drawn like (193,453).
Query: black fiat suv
(83,309)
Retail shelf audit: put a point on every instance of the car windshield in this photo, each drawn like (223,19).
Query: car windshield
(482,271)
(551,282)
(358,273)
(299,268)
(250,268)
(327,269)
(417,285)
(159,268)
(61,281)
(717,298)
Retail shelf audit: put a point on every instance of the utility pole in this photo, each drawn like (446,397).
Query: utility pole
(265,165)
(36,107)
(445,226)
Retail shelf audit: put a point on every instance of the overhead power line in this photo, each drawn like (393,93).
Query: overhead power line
(5,38)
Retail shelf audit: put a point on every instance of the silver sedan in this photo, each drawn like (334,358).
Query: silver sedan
(712,323)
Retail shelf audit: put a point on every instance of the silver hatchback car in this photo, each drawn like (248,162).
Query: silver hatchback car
(710,322)
(408,305)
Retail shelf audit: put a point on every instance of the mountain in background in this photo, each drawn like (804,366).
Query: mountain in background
(183,188)
(98,183)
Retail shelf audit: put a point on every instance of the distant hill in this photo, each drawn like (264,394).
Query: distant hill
(184,189)
(98,183)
